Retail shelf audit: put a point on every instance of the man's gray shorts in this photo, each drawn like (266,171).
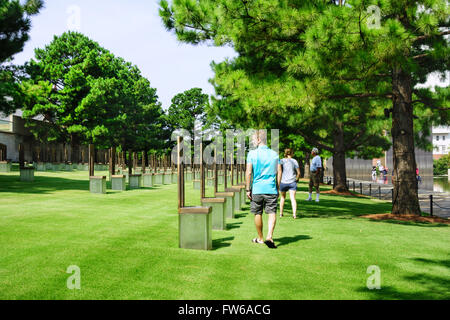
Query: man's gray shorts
(268,202)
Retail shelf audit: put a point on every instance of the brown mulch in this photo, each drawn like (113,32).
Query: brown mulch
(406,217)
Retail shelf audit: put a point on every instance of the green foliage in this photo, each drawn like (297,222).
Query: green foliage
(15,25)
(86,94)
(10,94)
(441,166)
(288,71)
(187,108)
(319,70)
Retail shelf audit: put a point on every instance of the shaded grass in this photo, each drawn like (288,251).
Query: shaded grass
(126,245)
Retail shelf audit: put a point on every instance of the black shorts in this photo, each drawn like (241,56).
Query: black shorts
(268,202)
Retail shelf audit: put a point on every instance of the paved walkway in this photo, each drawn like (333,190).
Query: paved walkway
(383,191)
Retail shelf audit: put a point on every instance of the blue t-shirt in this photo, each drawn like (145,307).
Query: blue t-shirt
(316,163)
(264,167)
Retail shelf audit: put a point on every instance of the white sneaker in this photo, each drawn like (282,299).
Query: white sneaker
(317,200)
(309,199)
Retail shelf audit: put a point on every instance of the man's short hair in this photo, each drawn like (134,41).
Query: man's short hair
(315,150)
(262,135)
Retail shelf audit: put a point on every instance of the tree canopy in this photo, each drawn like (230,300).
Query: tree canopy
(317,61)
(87,95)
(187,108)
(15,24)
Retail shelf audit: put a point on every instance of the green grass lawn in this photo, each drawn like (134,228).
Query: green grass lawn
(126,245)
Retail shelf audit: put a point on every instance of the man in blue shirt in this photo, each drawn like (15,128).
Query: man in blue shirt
(314,177)
(262,166)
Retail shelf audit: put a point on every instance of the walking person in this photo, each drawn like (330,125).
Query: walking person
(262,167)
(419,178)
(381,169)
(374,174)
(289,178)
(314,177)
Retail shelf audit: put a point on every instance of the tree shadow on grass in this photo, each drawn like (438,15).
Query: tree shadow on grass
(221,243)
(41,185)
(142,188)
(287,240)
(304,187)
(46,185)
(341,207)
(150,188)
(412,223)
(433,287)
(442,263)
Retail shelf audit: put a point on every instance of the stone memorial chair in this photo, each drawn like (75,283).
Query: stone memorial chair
(194,223)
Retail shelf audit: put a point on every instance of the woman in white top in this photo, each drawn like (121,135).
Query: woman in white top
(290,175)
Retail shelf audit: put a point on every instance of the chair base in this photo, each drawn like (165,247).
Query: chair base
(97,185)
(195,228)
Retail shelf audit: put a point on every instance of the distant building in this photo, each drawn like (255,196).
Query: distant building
(14,132)
(441,141)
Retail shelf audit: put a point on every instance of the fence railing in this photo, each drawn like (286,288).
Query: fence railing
(375,190)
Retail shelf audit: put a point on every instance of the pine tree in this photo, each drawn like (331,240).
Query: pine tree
(262,86)
(321,54)
(86,95)
(15,25)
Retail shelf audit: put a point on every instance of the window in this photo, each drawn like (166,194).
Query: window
(437,138)
(443,138)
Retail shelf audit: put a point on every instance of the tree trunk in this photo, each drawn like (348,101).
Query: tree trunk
(21,156)
(130,163)
(144,153)
(135,160)
(112,161)
(307,172)
(91,160)
(322,173)
(406,199)
(66,153)
(301,167)
(96,156)
(146,159)
(339,169)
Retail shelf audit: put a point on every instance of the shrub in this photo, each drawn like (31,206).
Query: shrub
(441,166)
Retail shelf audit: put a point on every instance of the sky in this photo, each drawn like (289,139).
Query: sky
(133,30)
